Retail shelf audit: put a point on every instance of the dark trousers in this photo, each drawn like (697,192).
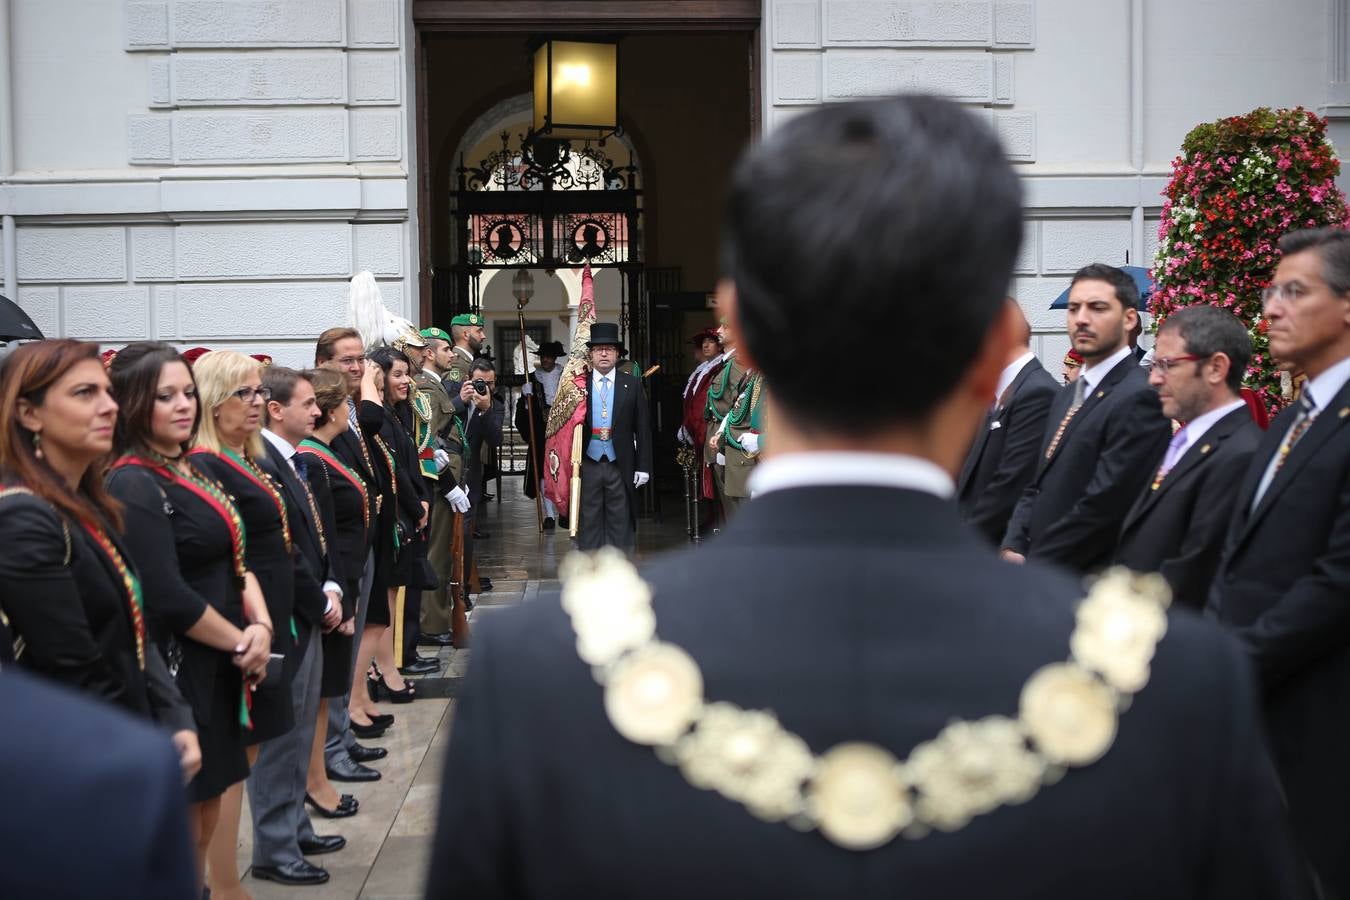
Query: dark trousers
(605,519)
(475,480)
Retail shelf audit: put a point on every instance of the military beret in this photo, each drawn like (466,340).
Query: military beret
(467,319)
(437,334)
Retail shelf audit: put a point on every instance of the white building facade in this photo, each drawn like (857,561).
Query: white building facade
(211,172)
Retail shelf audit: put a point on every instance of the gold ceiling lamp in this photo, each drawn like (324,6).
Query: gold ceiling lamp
(576,88)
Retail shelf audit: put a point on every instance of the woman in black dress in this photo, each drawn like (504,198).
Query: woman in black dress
(67,587)
(229,444)
(343,500)
(187,539)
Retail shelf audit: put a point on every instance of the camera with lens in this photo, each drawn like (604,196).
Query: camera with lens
(480,386)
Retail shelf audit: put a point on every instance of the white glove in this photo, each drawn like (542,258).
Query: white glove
(526,389)
(442,460)
(459,501)
(721,459)
(640,478)
(750,442)
(683,436)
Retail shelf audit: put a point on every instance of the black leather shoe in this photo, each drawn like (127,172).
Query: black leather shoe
(351,770)
(323,844)
(423,665)
(298,872)
(484,585)
(364,754)
(434,640)
(341,811)
(562,522)
(548,523)
(373,730)
(481,535)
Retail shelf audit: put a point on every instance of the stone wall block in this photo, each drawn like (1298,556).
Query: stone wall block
(152,253)
(147,24)
(1018,133)
(61,253)
(379,248)
(263,250)
(261,136)
(43,305)
(258,311)
(1069,244)
(1028,257)
(880,23)
(852,74)
(796,78)
(796,23)
(1036,295)
(258,23)
(106,313)
(374,23)
(150,139)
(373,78)
(376,136)
(294,79)
(166,312)
(1150,240)
(1015,24)
(1003,80)
(161,91)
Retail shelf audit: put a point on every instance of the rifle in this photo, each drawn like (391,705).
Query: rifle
(459,622)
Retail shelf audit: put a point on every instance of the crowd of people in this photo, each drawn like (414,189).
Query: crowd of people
(218,545)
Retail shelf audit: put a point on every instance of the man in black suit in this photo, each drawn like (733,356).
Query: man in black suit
(717,762)
(1103,435)
(483,415)
(93,800)
(1177,525)
(282,833)
(1283,585)
(616,456)
(1007,445)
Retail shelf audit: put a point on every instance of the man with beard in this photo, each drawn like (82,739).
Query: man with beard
(1104,434)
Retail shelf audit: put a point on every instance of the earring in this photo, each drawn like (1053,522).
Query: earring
(37,445)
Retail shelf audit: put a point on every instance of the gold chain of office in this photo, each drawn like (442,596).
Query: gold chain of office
(858,795)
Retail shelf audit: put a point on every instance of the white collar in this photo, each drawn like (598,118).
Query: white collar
(1196,428)
(848,467)
(1324,388)
(613,376)
(284,446)
(1096,372)
(434,374)
(467,355)
(1010,372)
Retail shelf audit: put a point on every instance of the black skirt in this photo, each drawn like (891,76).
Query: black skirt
(273,712)
(213,685)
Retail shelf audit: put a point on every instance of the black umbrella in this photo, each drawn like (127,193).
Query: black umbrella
(15,324)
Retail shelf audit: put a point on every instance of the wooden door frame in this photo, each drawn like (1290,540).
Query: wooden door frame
(488,17)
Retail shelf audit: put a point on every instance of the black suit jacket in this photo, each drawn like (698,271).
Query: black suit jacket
(1179,529)
(1070,512)
(1284,587)
(631,425)
(1003,458)
(313,566)
(78,760)
(548,800)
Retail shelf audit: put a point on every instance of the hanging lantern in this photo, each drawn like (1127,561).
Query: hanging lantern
(576,88)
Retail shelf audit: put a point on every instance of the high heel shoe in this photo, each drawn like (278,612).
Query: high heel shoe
(342,811)
(373,730)
(407,695)
(381,720)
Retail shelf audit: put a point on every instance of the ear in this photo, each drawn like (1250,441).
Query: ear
(28,416)
(728,308)
(1218,368)
(274,411)
(1131,318)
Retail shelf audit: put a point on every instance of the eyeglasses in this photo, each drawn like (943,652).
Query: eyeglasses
(349,361)
(1291,291)
(247,394)
(1164,364)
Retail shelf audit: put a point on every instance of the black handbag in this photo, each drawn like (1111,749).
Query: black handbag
(424,576)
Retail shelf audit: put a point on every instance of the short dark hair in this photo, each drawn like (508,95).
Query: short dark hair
(330,392)
(1127,292)
(482,364)
(134,373)
(324,347)
(1207,330)
(899,217)
(1333,244)
(281,381)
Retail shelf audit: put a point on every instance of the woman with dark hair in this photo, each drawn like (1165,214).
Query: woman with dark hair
(73,603)
(186,537)
(344,503)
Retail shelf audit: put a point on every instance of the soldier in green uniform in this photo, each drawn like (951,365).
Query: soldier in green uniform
(741,438)
(726,387)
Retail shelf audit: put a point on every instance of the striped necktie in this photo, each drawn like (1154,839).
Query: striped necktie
(1079,393)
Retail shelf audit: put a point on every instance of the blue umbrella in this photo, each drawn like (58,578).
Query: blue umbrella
(1140,276)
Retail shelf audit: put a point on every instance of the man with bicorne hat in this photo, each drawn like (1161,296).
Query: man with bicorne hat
(542,385)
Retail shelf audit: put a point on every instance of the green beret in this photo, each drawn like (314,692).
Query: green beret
(436,333)
(467,319)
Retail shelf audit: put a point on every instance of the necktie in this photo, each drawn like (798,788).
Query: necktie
(1174,448)
(301,467)
(1306,414)
(1079,394)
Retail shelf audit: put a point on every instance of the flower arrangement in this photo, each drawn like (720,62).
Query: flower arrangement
(1238,185)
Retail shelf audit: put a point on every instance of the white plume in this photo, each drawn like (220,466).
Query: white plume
(367,313)
(533,362)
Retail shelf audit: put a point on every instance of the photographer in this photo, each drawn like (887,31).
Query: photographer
(483,412)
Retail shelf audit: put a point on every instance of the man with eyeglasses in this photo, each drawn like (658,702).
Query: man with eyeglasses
(1104,434)
(1177,525)
(1283,584)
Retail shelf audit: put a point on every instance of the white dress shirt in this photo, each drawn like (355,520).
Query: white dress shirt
(846,467)
(287,450)
(1093,375)
(1010,372)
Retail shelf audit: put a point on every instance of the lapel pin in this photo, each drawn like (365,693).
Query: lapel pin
(1101,394)
(995,425)
(1345,411)
(1204,449)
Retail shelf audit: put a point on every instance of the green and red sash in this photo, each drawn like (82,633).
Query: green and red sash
(130,583)
(209,493)
(330,460)
(250,470)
